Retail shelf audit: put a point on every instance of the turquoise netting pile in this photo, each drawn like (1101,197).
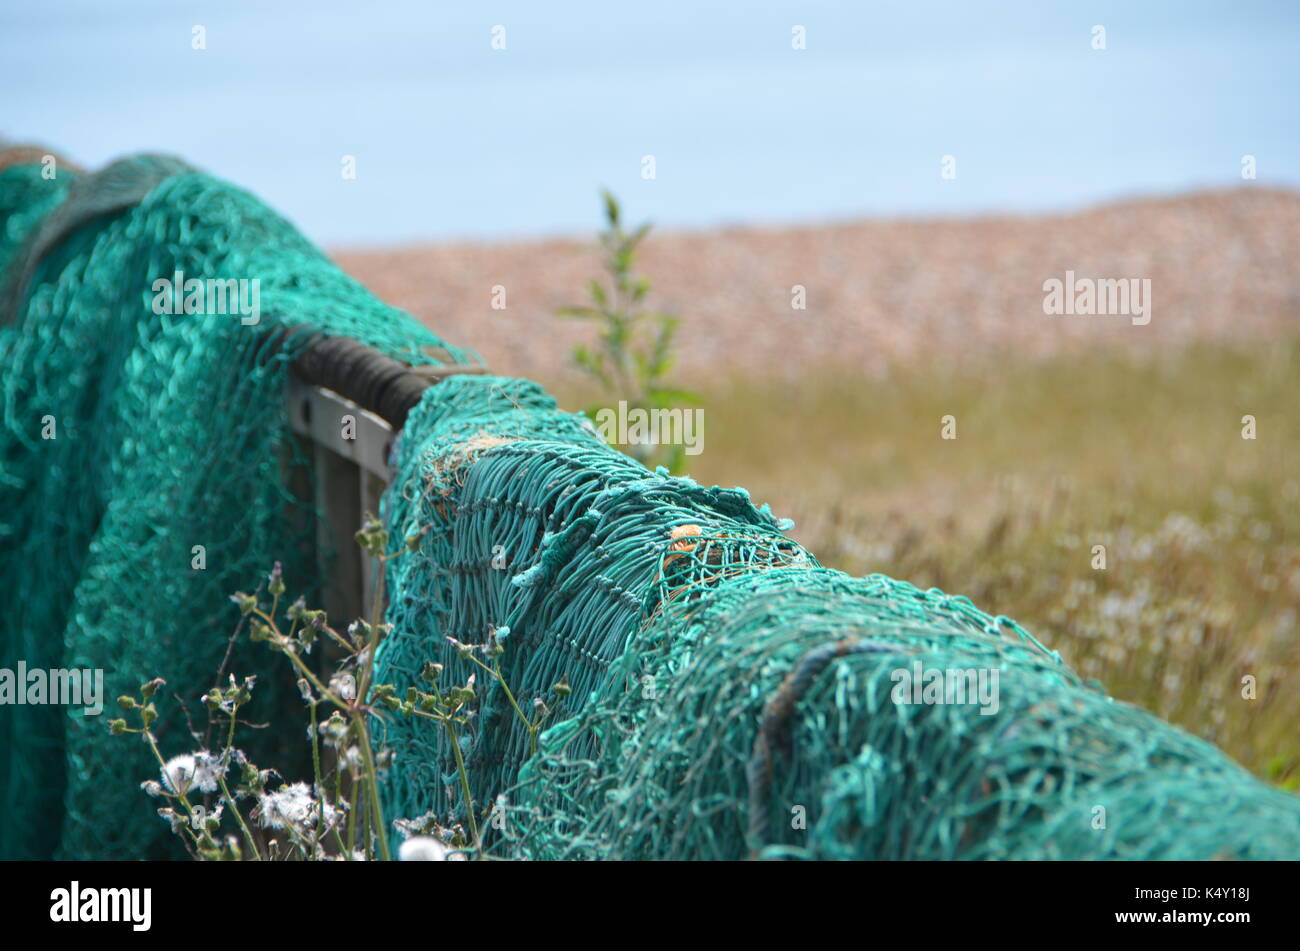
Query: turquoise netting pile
(729,696)
(732,698)
(170,433)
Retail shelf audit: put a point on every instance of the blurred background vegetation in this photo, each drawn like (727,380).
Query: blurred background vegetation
(1141,454)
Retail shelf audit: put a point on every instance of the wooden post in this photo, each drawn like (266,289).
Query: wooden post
(350,447)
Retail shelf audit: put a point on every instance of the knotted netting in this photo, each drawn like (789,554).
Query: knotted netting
(169,432)
(732,698)
(728,697)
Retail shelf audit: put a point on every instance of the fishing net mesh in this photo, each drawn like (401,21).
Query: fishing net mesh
(169,432)
(723,695)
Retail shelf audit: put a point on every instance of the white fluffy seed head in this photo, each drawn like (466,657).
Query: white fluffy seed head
(423,848)
(178,773)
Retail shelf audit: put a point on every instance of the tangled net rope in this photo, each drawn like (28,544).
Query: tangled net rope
(732,698)
(170,433)
(729,697)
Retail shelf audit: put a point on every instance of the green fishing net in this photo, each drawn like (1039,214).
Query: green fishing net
(730,697)
(721,694)
(170,433)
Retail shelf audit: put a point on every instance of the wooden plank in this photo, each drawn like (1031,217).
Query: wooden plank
(350,448)
(338,502)
(328,420)
(369,491)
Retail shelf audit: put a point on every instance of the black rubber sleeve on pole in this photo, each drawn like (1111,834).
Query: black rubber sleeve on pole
(373,380)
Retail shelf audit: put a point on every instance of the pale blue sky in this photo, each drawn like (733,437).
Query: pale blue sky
(455,139)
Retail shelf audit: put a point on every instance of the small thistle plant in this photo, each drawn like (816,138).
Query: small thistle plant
(224,807)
